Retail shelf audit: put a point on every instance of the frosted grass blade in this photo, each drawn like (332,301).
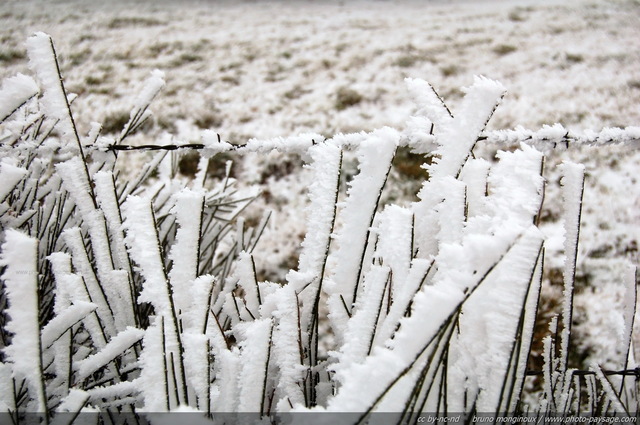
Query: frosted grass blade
(20,257)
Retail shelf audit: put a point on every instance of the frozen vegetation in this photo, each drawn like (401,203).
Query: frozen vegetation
(336,234)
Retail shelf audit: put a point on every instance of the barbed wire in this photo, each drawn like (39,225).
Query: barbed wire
(625,372)
(119,148)
(548,137)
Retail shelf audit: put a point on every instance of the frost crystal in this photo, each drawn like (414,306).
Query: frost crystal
(15,92)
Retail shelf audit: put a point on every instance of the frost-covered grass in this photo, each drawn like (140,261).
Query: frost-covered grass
(356,253)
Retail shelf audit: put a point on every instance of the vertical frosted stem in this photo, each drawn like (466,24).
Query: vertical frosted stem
(572,190)
(20,256)
(374,155)
(144,247)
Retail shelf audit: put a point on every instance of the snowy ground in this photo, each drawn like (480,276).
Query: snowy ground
(264,69)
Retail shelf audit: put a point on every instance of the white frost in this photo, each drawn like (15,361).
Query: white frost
(15,92)
(212,144)
(20,256)
(117,346)
(150,89)
(457,137)
(65,320)
(142,242)
(572,190)
(374,155)
(153,378)
(255,341)
(43,61)
(188,209)
(73,402)
(359,335)
(10,176)
(429,103)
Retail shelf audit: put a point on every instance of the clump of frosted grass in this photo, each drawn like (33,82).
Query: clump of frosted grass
(86,255)
(141,295)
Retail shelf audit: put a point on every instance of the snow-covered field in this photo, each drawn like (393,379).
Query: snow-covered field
(265,69)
